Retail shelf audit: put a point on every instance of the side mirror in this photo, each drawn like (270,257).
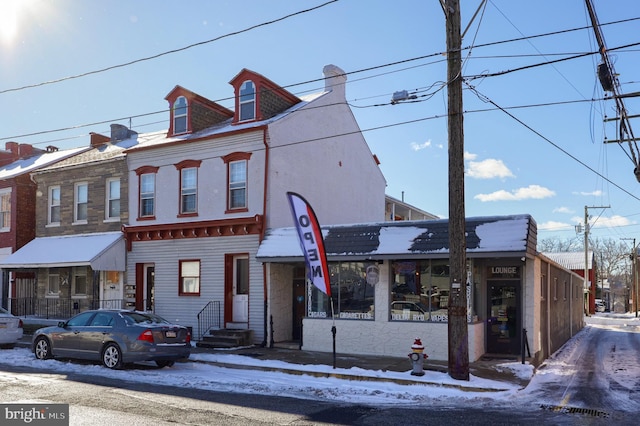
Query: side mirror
(62,324)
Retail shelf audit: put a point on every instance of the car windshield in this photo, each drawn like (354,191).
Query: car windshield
(143,318)
(3,311)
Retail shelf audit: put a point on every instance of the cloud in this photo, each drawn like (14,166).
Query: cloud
(418,147)
(488,169)
(605,222)
(596,193)
(469,156)
(531,192)
(554,226)
(563,210)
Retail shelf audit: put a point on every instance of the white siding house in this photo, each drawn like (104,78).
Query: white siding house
(203,193)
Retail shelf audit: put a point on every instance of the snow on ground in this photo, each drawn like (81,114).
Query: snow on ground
(435,388)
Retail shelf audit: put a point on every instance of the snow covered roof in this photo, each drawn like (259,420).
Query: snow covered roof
(150,140)
(102,251)
(505,236)
(571,260)
(36,162)
(103,152)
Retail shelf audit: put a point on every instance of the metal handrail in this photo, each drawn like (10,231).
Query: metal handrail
(209,317)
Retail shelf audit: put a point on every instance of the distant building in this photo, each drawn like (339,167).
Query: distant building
(575,261)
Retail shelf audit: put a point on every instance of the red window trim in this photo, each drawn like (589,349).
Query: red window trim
(144,170)
(182,293)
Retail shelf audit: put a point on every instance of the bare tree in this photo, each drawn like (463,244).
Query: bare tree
(555,244)
(611,256)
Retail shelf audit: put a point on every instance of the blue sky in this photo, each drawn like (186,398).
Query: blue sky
(551,162)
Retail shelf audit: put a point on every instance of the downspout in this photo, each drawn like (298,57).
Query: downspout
(262,232)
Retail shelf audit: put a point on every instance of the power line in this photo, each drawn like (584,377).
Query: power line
(486,99)
(168,52)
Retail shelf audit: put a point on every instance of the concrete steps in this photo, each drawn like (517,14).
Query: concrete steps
(226,338)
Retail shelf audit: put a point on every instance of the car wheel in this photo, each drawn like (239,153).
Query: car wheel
(112,356)
(42,348)
(163,363)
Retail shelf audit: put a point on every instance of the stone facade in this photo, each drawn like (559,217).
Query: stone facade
(96,176)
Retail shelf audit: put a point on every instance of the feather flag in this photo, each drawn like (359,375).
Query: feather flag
(311,242)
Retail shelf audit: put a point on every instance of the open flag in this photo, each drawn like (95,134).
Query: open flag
(311,242)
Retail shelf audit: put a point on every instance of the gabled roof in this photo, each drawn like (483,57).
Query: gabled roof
(504,236)
(263,82)
(28,165)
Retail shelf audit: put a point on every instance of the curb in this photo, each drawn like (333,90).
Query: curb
(342,376)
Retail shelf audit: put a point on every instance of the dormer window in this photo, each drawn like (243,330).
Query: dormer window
(247,101)
(180,115)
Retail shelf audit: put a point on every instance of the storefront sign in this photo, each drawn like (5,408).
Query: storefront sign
(504,272)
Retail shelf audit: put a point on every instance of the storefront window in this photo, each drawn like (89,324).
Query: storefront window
(353,295)
(420,290)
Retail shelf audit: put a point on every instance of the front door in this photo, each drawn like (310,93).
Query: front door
(145,278)
(298,306)
(240,289)
(503,318)
(111,290)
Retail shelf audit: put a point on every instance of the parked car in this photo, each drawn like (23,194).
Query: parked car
(10,329)
(600,306)
(115,338)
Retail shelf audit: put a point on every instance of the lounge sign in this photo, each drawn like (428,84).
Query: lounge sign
(504,272)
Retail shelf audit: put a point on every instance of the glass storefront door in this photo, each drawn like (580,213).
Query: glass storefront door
(503,318)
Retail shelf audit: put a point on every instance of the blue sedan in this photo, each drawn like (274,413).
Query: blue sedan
(115,338)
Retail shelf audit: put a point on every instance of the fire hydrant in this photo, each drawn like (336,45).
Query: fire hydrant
(417,357)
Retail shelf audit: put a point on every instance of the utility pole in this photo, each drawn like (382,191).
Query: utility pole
(634,275)
(458,334)
(587,289)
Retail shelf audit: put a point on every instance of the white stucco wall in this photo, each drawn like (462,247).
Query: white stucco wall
(280,307)
(391,338)
(319,152)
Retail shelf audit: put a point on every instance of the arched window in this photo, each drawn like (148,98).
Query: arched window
(180,115)
(247,101)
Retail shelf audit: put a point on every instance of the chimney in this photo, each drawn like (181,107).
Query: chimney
(26,150)
(97,139)
(13,148)
(120,132)
(334,80)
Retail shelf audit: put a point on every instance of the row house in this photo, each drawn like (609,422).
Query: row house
(17,209)
(203,193)
(77,259)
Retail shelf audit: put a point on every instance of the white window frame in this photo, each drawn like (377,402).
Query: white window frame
(247,97)
(110,198)
(190,277)
(5,210)
(180,112)
(54,204)
(78,203)
(237,185)
(56,278)
(147,195)
(186,191)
